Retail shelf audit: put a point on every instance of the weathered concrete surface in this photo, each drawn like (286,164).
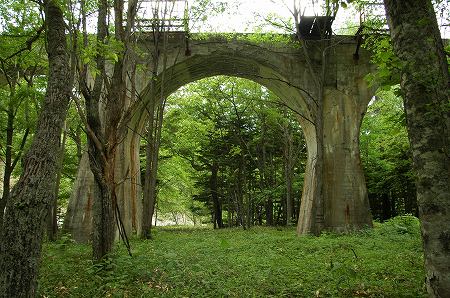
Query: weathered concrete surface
(78,219)
(284,70)
(128,179)
(346,206)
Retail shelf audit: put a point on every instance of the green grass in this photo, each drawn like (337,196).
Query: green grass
(261,262)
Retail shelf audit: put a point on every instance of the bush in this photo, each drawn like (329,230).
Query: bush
(404,224)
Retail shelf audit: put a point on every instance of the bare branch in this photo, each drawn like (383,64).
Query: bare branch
(22,145)
(89,130)
(28,44)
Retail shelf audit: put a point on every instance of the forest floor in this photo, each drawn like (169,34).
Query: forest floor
(386,261)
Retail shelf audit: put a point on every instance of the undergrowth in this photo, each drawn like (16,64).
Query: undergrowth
(386,261)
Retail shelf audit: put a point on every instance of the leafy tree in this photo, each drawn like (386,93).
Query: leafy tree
(229,130)
(176,188)
(22,62)
(387,158)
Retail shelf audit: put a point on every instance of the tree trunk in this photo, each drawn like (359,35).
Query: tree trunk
(425,86)
(147,210)
(100,158)
(386,207)
(77,140)
(151,169)
(229,215)
(269,212)
(21,239)
(270,182)
(215,197)
(103,224)
(8,160)
(288,171)
(52,221)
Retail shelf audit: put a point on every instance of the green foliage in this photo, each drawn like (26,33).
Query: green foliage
(272,39)
(386,157)
(19,17)
(22,83)
(75,143)
(20,22)
(176,189)
(111,50)
(201,10)
(389,66)
(234,125)
(260,262)
(405,224)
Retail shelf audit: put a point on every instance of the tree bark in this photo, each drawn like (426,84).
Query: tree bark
(21,239)
(8,160)
(425,86)
(239,191)
(101,146)
(147,202)
(52,221)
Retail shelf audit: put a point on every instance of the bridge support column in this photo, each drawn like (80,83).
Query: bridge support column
(345,201)
(78,220)
(343,205)
(128,189)
(308,221)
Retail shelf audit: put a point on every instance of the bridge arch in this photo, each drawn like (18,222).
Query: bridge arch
(274,71)
(284,70)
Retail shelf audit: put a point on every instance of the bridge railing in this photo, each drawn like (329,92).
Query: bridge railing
(167,15)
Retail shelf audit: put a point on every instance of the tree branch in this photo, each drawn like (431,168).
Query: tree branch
(28,44)
(89,130)
(22,145)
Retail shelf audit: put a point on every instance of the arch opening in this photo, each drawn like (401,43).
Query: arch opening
(247,159)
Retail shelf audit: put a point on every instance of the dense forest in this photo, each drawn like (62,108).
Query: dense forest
(147,179)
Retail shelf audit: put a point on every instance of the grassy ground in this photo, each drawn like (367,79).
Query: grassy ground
(261,262)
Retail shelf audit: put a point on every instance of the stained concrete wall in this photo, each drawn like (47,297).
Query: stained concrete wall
(284,70)
(78,218)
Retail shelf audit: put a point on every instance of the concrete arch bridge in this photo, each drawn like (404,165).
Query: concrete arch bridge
(332,103)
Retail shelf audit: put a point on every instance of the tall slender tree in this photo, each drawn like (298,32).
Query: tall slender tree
(105,107)
(425,86)
(27,208)
(162,15)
